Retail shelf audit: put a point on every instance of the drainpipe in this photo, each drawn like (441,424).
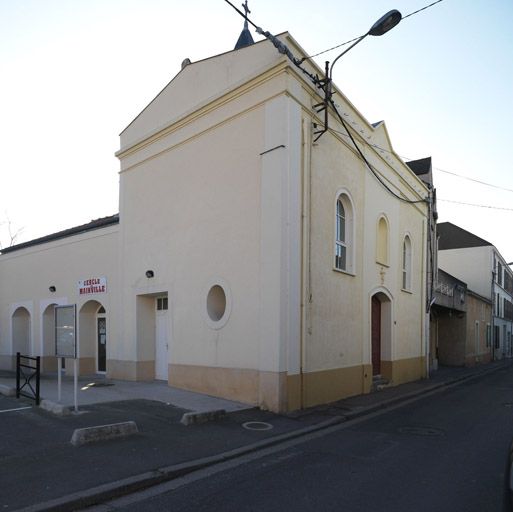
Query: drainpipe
(306,182)
(492,333)
(430,299)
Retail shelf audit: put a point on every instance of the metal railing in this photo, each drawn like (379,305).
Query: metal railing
(27,369)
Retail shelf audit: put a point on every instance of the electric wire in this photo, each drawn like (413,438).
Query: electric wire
(407,159)
(371,168)
(346,127)
(473,180)
(422,9)
(354,39)
(476,205)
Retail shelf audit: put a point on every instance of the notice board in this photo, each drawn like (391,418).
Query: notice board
(65,331)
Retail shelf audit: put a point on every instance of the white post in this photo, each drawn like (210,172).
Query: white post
(59,378)
(75,379)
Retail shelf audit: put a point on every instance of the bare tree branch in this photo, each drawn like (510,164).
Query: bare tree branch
(12,232)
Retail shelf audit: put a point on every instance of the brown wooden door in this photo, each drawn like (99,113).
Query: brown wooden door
(376,336)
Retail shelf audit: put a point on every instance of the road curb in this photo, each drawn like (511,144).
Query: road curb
(106,492)
(419,393)
(195,418)
(102,493)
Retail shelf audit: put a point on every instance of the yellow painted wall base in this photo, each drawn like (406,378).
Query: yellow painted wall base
(293,392)
(404,370)
(330,385)
(86,366)
(131,370)
(234,384)
(268,390)
(49,364)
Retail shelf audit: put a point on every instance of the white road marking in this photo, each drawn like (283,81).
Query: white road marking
(17,409)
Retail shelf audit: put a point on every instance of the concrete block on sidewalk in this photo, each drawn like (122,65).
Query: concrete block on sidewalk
(195,418)
(88,435)
(55,408)
(7,390)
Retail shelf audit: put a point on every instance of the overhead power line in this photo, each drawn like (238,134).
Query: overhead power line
(422,9)
(348,134)
(368,164)
(476,205)
(474,180)
(355,38)
(407,159)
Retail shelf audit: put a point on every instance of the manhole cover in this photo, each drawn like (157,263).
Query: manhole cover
(257,425)
(422,431)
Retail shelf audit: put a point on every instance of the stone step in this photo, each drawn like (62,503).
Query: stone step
(379,383)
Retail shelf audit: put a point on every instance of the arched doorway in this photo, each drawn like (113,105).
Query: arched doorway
(92,338)
(21,332)
(381,334)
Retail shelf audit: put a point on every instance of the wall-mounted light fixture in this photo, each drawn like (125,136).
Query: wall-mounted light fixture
(149,274)
(52,288)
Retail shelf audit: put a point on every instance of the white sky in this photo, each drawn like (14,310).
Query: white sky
(74,73)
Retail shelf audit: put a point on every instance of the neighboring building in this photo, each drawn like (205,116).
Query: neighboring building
(460,334)
(478,346)
(481,266)
(38,275)
(448,332)
(423,169)
(249,262)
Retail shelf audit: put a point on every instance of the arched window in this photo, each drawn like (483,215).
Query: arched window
(406,263)
(382,241)
(344,233)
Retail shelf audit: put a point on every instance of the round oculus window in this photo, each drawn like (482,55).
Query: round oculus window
(216,303)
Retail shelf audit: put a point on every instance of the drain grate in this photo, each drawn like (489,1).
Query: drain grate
(422,431)
(257,425)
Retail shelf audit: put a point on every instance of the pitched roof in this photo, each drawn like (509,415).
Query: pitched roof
(454,237)
(90,226)
(422,168)
(245,39)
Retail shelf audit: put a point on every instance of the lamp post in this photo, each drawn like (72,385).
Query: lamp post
(382,26)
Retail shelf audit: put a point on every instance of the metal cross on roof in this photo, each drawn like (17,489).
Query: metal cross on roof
(247,11)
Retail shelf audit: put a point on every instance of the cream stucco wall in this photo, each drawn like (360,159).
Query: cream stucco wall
(27,274)
(221,192)
(221,183)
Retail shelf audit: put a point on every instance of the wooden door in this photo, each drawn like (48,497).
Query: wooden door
(376,336)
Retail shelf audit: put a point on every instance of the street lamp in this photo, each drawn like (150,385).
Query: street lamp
(382,26)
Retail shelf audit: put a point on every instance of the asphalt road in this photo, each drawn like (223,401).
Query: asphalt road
(444,452)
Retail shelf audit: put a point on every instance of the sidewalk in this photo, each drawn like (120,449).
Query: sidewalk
(95,389)
(35,446)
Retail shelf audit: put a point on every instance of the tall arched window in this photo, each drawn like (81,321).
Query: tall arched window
(406,263)
(340,243)
(344,233)
(382,241)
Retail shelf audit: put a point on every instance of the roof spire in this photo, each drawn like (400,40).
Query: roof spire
(245,38)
